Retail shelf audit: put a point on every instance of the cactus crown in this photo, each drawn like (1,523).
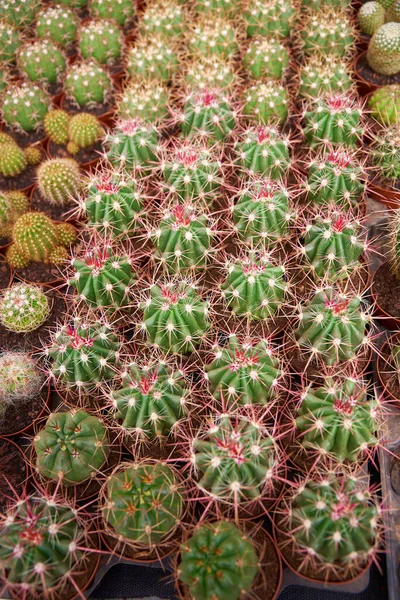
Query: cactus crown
(165,19)
(101,40)
(20,378)
(266,102)
(266,57)
(24,106)
(23,308)
(87,83)
(264,151)
(59,23)
(133,144)
(145,100)
(385,154)
(327,32)
(370,17)
(322,75)
(266,17)
(383,53)
(214,37)
(208,115)
(210,72)
(152,59)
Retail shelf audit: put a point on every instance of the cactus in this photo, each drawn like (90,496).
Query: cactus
(175,318)
(383,105)
(263,151)
(266,103)
(370,17)
(42,61)
(227,9)
(327,32)
(335,177)
(208,114)
(144,503)
(87,84)
(12,159)
(164,19)
(33,155)
(59,23)
(20,379)
(132,144)
(383,53)
(191,171)
(113,204)
(103,278)
(225,462)
(262,212)
(387,4)
(84,131)
(214,37)
(209,73)
(394,250)
(244,372)
(19,13)
(385,154)
(333,523)
(84,354)
(337,420)
(59,180)
(51,539)
(266,17)
(24,106)
(266,57)
(23,308)
(152,400)
(254,286)
(147,101)
(56,126)
(72,3)
(152,59)
(9,42)
(12,206)
(101,41)
(4,78)
(392,14)
(121,11)
(324,75)
(183,239)
(71,447)
(332,326)
(335,120)
(319,5)
(218,561)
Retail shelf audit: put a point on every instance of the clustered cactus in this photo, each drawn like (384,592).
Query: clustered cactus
(76,132)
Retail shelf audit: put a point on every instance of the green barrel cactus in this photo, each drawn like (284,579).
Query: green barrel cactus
(263,151)
(101,40)
(266,58)
(165,19)
(59,23)
(59,180)
(24,106)
(84,131)
(208,115)
(175,318)
(384,105)
(224,8)
(144,503)
(337,420)
(72,447)
(210,72)
(152,59)
(56,125)
(23,308)
(266,17)
(121,11)
(385,154)
(9,42)
(12,159)
(84,354)
(42,61)
(370,17)
(266,103)
(244,372)
(19,13)
(152,400)
(214,37)
(332,326)
(20,380)
(327,32)
(383,53)
(254,286)
(324,75)
(133,144)
(12,206)
(87,84)
(147,101)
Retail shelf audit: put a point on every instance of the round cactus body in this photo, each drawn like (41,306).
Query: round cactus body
(59,180)
(147,101)
(225,8)
(392,14)
(12,206)
(19,13)
(209,73)
(332,326)
(370,17)
(218,561)
(164,19)
(87,84)
(56,126)
(33,155)
(12,159)
(23,308)
(84,130)
(20,378)
(132,145)
(266,17)
(59,23)
(152,59)
(383,53)
(323,75)
(144,503)
(384,105)
(244,372)
(263,151)
(72,447)
(266,103)
(208,115)
(120,10)
(336,120)
(9,42)
(101,40)
(42,61)
(24,106)
(327,32)
(175,318)
(213,37)
(385,154)
(151,402)
(266,57)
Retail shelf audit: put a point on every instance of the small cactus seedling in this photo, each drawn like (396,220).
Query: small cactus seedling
(384,105)
(72,447)
(212,37)
(24,106)
(266,17)
(101,41)
(383,53)
(84,131)
(87,84)
(263,151)
(20,380)
(9,42)
(121,11)
(266,103)
(165,19)
(254,286)
(266,57)
(12,206)
(144,503)
(84,354)
(152,59)
(56,126)
(133,144)
(59,23)
(324,75)
(218,561)
(327,32)
(244,372)
(209,73)
(12,159)
(175,318)
(385,154)
(152,400)
(370,17)
(208,115)
(19,13)
(23,308)
(59,180)
(332,326)
(225,8)
(335,120)
(337,420)
(42,61)
(147,101)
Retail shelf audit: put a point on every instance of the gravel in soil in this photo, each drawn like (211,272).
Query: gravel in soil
(19,416)
(84,156)
(13,472)
(386,289)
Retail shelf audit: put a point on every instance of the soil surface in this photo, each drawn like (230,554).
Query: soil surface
(5,275)
(25,139)
(386,289)
(13,471)
(364,70)
(54,211)
(98,110)
(24,180)
(22,415)
(83,157)
(39,273)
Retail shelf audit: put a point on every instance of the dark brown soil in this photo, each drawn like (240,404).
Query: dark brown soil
(39,273)
(24,139)
(56,212)
(5,275)
(55,88)
(394,471)
(24,180)
(386,184)
(387,370)
(365,71)
(386,289)
(84,156)
(12,472)
(33,340)
(98,110)
(19,417)
(115,68)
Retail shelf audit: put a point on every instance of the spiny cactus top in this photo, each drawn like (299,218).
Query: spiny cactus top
(226,8)
(383,53)
(235,460)
(121,11)
(146,100)
(337,420)
(263,151)
(164,18)
(266,17)
(56,125)
(152,59)
(24,106)
(384,105)
(208,115)
(144,503)
(20,13)
(59,23)
(175,318)
(385,154)
(12,206)
(209,72)
(101,40)
(23,308)
(84,130)
(59,180)
(133,144)
(327,32)
(41,60)
(214,36)
(87,83)
(151,401)
(218,561)
(266,102)
(322,75)
(244,372)
(370,17)
(332,326)
(266,57)
(71,447)
(20,378)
